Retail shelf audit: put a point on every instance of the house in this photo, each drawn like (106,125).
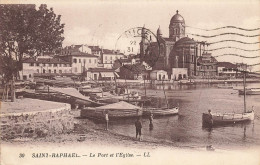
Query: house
(101,74)
(226,69)
(109,56)
(179,73)
(125,61)
(96,50)
(206,66)
(80,61)
(132,72)
(43,65)
(158,75)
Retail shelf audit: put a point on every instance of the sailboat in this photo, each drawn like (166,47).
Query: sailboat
(211,119)
(161,111)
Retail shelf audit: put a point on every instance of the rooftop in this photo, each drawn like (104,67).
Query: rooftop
(226,65)
(186,40)
(100,70)
(82,54)
(45,60)
(95,48)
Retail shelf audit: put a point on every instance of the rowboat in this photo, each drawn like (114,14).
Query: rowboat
(160,111)
(226,118)
(116,110)
(225,87)
(213,119)
(250,91)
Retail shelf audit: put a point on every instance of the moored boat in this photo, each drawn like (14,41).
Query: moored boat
(225,86)
(213,119)
(160,111)
(226,118)
(116,110)
(250,91)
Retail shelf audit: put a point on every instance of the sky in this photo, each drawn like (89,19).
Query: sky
(102,22)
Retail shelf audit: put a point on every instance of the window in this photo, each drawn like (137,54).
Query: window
(75,60)
(30,75)
(50,64)
(49,71)
(43,70)
(95,61)
(89,60)
(111,58)
(79,60)
(55,65)
(43,64)
(60,71)
(37,64)
(31,64)
(54,70)
(60,65)
(37,70)
(84,60)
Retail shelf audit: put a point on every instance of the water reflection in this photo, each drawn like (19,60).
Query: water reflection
(186,128)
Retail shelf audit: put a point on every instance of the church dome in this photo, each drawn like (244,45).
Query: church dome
(177,18)
(186,41)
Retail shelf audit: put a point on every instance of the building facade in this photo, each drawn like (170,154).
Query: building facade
(109,57)
(80,62)
(227,69)
(207,66)
(43,66)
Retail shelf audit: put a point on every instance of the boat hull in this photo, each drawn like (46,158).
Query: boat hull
(161,111)
(227,118)
(249,92)
(113,113)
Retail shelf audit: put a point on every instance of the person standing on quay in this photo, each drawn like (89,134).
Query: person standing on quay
(138,126)
(107,119)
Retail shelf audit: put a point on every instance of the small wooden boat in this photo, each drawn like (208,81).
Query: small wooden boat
(213,119)
(186,82)
(160,111)
(225,86)
(250,91)
(88,91)
(226,118)
(116,110)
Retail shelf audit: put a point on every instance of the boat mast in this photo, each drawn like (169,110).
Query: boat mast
(244,83)
(144,88)
(165,95)
(127,89)
(116,90)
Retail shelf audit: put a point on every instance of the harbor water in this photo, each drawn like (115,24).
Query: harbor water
(186,128)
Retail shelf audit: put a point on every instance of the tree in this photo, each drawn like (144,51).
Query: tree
(24,30)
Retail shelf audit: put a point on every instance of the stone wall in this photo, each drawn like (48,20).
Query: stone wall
(37,123)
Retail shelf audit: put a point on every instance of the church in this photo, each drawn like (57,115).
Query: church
(177,53)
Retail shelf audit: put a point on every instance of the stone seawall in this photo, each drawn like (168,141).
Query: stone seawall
(37,123)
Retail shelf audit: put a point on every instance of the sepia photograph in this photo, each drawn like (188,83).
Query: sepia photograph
(130,82)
